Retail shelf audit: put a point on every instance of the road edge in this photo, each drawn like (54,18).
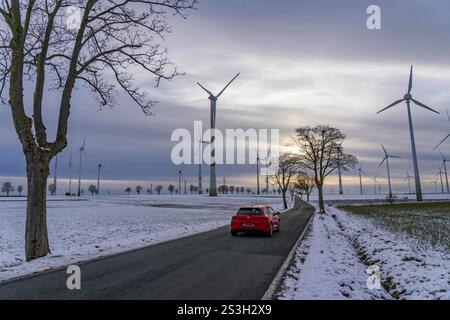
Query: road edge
(268,295)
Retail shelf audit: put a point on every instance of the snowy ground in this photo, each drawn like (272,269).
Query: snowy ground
(100,226)
(331,263)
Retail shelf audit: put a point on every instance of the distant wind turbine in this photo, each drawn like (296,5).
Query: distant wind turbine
(82,151)
(361,172)
(440,177)
(408,177)
(55,174)
(442,141)
(408,98)
(267,165)
(70,175)
(375,182)
(213,99)
(444,165)
(99,166)
(180,176)
(386,159)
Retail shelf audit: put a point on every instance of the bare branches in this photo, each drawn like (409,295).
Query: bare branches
(115,40)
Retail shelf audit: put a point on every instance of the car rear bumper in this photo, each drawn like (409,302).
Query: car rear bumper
(258,226)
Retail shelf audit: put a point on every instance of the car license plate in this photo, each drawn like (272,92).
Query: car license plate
(248,224)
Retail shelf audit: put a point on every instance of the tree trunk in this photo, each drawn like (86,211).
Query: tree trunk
(36,235)
(307,196)
(284,200)
(321,204)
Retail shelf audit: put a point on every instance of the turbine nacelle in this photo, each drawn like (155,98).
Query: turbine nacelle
(407,97)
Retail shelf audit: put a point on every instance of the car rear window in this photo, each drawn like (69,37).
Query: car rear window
(250,211)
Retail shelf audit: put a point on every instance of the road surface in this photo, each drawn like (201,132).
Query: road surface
(210,265)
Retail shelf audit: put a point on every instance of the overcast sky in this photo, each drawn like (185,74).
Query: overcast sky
(301,63)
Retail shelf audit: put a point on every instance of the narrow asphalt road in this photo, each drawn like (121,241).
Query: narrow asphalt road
(211,265)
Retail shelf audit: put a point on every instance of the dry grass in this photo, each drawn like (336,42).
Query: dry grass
(426,223)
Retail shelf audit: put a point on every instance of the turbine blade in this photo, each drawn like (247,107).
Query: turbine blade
(227,85)
(384,159)
(391,105)
(442,141)
(448,114)
(207,91)
(410,80)
(394,157)
(384,149)
(420,104)
(84,142)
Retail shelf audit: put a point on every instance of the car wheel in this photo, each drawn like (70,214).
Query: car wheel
(270,233)
(234,233)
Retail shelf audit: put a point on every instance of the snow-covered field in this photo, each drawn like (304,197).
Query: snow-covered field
(100,226)
(332,261)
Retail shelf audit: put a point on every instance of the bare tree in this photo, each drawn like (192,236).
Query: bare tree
(321,152)
(171,188)
(112,41)
(20,189)
(52,189)
(139,190)
(158,189)
(128,190)
(92,189)
(305,183)
(288,167)
(7,188)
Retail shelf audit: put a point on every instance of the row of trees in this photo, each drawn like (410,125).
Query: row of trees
(7,188)
(318,153)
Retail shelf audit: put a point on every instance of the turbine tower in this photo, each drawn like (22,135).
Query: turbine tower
(70,175)
(55,174)
(408,98)
(375,181)
(361,172)
(267,165)
(386,158)
(200,186)
(100,166)
(444,165)
(408,177)
(180,176)
(440,177)
(82,152)
(213,99)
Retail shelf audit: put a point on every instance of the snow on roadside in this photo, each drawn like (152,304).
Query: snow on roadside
(328,263)
(408,270)
(326,267)
(101,226)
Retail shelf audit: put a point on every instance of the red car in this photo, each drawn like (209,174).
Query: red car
(255,218)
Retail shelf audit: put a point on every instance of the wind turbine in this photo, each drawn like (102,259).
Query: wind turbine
(70,175)
(444,165)
(408,177)
(408,98)
(375,181)
(361,172)
(82,152)
(341,189)
(100,166)
(55,174)
(267,165)
(386,158)
(448,117)
(180,176)
(213,99)
(200,187)
(440,176)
